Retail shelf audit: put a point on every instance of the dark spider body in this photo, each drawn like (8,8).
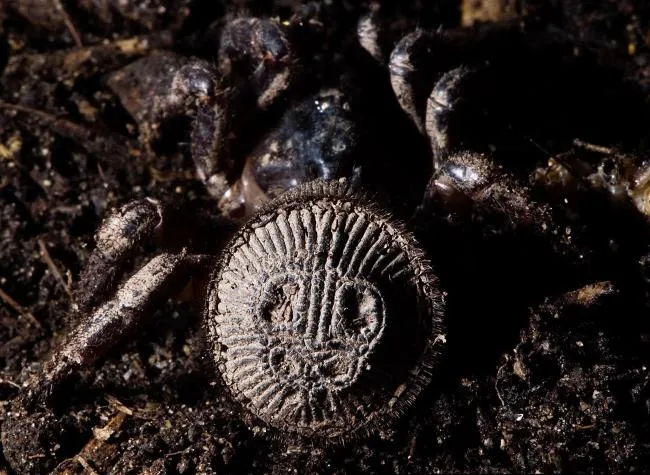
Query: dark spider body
(318,138)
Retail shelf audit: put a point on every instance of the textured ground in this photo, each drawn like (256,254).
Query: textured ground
(558,388)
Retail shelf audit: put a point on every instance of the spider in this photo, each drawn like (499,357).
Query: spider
(319,136)
(303,303)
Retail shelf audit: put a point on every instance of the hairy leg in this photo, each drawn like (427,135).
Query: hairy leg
(115,320)
(122,232)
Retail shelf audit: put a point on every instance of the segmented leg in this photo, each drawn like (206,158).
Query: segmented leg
(372,37)
(448,113)
(257,52)
(119,237)
(413,69)
(180,88)
(146,90)
(113,321)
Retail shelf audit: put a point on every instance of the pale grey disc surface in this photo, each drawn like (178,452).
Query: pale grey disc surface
(324,316)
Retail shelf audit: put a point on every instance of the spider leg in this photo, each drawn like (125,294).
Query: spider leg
(451,109)
(162,87)
(122,232)
(211,145)
(256,63)
(413,70)
(371,36)
(196,89)
(257,52)
(115,320)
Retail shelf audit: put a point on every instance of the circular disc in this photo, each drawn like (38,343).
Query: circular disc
(324,316)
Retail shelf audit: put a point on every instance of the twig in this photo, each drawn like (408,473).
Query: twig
(10,383)
(58,124)
(496,381)
(178,452)
(68,23)
(117,152)
(593,147)
(52,266)
(85,465)
(39,455)
(6,298)
(87,61)
(102,434)
(119,405)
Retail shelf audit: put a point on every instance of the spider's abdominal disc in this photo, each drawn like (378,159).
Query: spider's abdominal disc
(324,316)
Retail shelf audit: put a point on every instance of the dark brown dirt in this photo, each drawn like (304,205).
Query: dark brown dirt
(568,389)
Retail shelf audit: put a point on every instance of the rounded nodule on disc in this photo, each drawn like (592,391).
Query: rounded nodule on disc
(324,317)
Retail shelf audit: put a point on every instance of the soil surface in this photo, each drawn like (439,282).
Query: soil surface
(555,383)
